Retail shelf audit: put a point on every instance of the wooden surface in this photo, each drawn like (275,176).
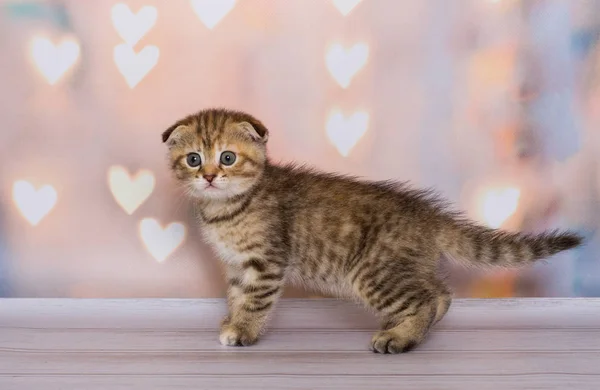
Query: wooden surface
(173,344)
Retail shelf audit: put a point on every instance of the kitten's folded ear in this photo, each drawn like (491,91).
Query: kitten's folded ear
(172,133)
(256,130)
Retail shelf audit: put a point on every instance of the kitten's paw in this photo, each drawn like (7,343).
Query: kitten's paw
(235,336)
(386,341)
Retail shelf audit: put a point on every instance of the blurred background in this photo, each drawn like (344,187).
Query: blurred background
(495,103)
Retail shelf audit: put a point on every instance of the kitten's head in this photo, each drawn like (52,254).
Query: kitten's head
(216,153)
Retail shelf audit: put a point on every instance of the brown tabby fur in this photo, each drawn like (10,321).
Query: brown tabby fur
(377,242)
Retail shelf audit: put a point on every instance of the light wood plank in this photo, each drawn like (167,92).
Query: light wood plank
(146,344)
(247,361)
(134,340)
(549,313)
(328,382)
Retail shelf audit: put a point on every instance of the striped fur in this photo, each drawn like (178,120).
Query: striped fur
(378,243)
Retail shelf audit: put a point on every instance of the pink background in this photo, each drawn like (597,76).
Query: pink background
(453,90)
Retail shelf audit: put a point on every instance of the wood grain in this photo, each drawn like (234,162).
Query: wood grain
(172,344)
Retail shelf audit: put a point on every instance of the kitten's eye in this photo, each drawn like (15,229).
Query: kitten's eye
(227,158)
(193,160)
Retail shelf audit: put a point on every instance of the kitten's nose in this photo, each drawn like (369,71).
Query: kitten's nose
(209,178)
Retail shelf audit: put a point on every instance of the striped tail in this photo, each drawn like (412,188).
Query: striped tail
(477,246)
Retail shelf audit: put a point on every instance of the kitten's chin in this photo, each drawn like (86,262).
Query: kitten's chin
(218,191)
(213,193)
(209,193)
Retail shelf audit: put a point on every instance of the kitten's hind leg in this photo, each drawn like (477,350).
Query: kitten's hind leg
(406,329)
(409,307)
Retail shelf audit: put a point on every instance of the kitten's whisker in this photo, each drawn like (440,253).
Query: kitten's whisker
(187,192)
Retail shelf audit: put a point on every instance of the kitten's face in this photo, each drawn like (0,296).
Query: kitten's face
(217,154)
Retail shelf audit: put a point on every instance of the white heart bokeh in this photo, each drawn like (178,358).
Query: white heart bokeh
(345,6)
(210,12)
(496,205)
(344,132)
(33,204)
(130,192)
(135,66)
(344,64)
(161,242)
(53,61)
(132,27)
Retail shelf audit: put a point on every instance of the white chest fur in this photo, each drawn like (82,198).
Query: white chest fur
(223,245)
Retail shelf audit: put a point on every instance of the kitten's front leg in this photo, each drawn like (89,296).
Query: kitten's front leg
(254,287)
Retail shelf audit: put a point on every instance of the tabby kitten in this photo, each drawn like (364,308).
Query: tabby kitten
(376,242)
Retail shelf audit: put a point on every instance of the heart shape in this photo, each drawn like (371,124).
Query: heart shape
(135,66)
(344,132)
(343,64)
(498,204)
(54,60)
(33,205)
(132,27)
(345,6)
(211,12)
(129,192)
(160,242)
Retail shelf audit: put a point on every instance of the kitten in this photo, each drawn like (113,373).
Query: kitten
(376,242)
